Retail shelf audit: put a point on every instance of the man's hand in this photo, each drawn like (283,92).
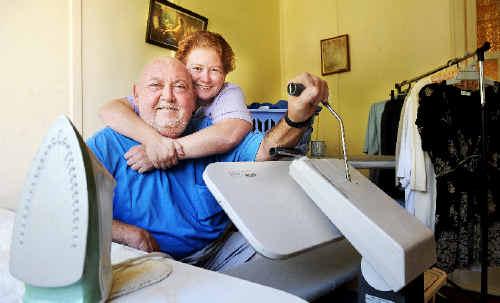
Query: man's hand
(133,236)
(302,107)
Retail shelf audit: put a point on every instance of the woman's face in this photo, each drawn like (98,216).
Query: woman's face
(207,72)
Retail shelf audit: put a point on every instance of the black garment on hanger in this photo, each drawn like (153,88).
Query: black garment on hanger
(389,124)
(449,122)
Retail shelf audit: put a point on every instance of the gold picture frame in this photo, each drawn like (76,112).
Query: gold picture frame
(169,23)
(335,55)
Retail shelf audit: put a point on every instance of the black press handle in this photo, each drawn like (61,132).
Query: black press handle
(295,89)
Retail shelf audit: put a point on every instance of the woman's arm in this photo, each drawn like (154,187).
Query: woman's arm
(120,116)
(163,152)
(232,122)
(216,139)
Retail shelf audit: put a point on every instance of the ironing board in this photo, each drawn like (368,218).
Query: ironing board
(274,214)
(186,283)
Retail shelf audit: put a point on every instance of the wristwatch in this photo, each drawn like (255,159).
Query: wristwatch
(297,124)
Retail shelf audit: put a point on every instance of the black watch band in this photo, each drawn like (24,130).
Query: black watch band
(297,124)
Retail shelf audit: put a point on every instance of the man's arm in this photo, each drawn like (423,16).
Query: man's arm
(133,236)
(300,109)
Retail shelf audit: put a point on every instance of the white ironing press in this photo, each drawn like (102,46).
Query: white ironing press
(62,233)
(395,247)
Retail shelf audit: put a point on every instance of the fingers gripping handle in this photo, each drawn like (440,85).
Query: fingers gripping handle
(295,89)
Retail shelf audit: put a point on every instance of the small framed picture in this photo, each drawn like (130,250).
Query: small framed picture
(169,23)
(335,55)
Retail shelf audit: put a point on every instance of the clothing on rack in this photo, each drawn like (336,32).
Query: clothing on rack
(389,124)
(380,139)
(413,167)
(372,136)
(449,121)
(389,130)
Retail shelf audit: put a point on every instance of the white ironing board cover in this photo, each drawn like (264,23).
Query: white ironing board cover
(273,213)
(186,283)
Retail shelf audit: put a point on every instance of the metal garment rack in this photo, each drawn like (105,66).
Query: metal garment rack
(451,62)
(484,153)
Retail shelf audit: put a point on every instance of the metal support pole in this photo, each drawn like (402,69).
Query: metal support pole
(342,133)
(484,173)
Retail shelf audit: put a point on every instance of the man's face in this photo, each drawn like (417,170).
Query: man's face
(165,96)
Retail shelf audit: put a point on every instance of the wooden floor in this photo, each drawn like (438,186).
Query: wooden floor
(453,294)
(445,295)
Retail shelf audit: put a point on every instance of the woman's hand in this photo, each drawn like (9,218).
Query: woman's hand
(161,154)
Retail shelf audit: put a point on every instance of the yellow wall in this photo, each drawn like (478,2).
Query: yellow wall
(113,53)
(252,30)
(73,55)
(35,81)
(390,41)
(114,49)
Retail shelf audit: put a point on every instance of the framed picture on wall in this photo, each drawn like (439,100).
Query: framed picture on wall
(169,23)
(335,55)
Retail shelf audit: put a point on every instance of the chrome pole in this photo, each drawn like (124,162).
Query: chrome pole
(342,133)
(295,89)
(483,198)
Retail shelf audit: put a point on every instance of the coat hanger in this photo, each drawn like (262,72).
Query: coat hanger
(466,75)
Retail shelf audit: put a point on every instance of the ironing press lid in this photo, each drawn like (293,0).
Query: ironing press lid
(391,240)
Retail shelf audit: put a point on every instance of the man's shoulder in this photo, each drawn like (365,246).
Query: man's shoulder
(105,132)
(108,136)
(246,150)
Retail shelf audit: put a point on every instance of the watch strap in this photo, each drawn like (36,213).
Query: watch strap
(297,124)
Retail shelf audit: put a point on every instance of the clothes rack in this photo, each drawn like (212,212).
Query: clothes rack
(484,151)
(485,47)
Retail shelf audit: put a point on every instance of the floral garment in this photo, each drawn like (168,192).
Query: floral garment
(449,123)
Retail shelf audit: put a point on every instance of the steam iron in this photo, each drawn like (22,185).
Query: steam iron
(61,240)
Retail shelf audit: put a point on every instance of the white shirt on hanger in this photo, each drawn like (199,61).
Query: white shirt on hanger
(412,164)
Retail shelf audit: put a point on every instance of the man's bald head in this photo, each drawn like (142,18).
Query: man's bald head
(165,97)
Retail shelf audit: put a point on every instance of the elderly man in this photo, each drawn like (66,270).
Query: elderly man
(172,210)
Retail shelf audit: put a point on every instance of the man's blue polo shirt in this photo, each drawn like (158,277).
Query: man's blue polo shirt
(174,205)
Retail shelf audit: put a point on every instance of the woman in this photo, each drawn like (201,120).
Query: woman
(208,58)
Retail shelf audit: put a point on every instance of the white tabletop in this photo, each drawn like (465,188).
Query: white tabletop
(186,283)
(270,209)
